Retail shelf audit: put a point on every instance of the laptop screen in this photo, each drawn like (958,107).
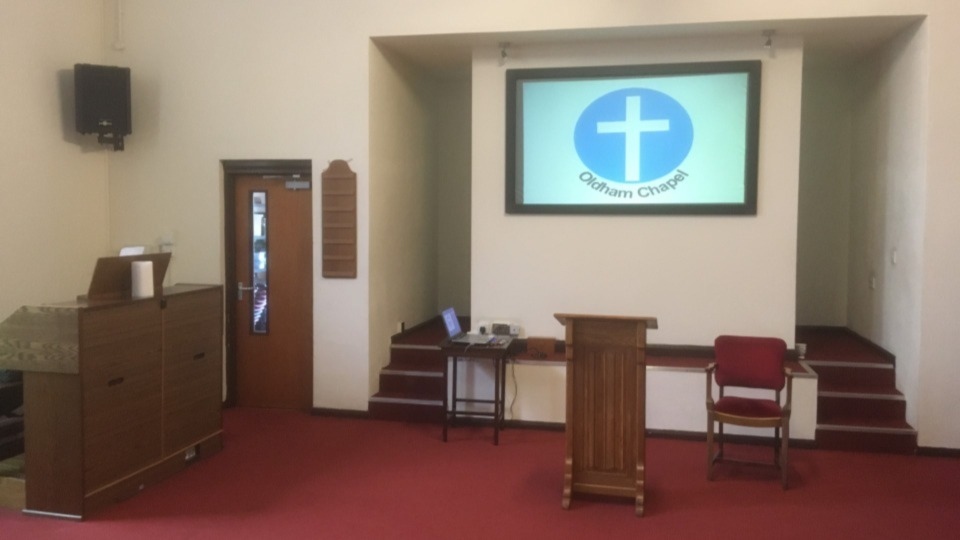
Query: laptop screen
(451,322)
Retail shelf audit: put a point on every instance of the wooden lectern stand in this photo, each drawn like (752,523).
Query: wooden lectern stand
(606,393)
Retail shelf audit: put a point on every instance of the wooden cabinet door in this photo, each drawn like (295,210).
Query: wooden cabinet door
(192,368)
(121,385)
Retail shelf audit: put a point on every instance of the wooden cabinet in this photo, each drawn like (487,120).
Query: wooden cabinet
(192,369)
(121,391)
(117,395)
(605,420)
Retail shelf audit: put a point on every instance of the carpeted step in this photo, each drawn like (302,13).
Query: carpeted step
(406,407)
(861,404)
(403,380)
(840,344)
(417,357)
(867,374)
(412,386)
(895,437)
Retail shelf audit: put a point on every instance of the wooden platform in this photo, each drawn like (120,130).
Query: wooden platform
(858,405)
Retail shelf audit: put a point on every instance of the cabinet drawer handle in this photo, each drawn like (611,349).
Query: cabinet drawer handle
(114,382)
(199,355)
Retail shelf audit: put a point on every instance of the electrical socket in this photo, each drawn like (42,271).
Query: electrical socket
(514,329)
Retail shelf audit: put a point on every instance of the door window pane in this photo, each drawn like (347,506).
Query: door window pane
(258,236)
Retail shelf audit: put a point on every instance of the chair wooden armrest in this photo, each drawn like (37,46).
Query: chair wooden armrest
(709,370)
(788,373)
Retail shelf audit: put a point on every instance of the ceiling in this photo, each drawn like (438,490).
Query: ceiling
(837,40)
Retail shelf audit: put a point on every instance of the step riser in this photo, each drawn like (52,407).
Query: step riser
(406,413)
(400,354)
(864,376)
(830,408)
(417,358)
(866,442)
(412,384)
(415,386)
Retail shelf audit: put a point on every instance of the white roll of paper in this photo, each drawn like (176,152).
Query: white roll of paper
(141,279)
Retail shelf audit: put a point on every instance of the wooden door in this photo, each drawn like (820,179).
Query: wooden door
(272,291)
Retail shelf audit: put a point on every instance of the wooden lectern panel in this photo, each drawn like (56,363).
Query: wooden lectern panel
(605,420)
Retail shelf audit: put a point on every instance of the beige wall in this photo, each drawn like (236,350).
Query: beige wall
(53,182)
(823,228)
(887,214)
(939,372)
(453,188)
(218,79)
(403,202)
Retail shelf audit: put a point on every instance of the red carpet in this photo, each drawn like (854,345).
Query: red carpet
(290,475)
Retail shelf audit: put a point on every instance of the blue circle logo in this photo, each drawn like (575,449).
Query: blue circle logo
(633,135)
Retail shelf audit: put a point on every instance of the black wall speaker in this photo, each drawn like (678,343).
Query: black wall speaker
(103,101)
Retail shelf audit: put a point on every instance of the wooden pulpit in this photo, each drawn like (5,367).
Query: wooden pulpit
(606,393)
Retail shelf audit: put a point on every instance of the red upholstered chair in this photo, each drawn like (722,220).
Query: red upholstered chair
(749,362)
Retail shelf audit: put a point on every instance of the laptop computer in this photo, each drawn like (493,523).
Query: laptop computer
(457,335)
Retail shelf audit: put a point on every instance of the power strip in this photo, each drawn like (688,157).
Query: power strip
(499,328)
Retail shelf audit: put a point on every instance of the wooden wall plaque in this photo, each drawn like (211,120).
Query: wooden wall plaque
(339,208)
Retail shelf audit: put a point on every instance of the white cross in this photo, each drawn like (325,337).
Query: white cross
(632,127)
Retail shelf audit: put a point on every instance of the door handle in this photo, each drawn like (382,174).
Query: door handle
(240,289)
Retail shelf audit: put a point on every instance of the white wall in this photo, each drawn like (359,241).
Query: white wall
(53,181)
(700,276)
(219,79)
(675,398)
(403,202)
(888,199)
(453,188)
(938,398)
(824,207)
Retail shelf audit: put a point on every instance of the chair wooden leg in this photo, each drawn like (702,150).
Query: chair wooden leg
(719,440)
(776,446)
(709,447)
(784,445)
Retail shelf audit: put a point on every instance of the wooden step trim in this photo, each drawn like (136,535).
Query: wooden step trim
(415,347)
(867,429)
(411,373)
(861,395)
(407,401)
(837,363)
